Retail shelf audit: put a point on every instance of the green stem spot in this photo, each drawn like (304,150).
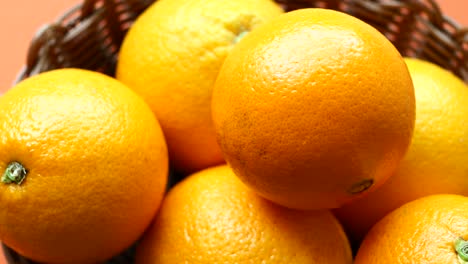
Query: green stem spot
(14,173)
(461,247)
(240,36)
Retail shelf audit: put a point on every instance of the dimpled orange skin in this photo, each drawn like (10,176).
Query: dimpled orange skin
(171,57)
(312,107)
(97,167)
(212,217)
(420,232)
(437,159)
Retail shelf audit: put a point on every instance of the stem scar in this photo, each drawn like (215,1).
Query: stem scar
(15,172)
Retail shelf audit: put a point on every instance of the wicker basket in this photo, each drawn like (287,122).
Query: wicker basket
(89,36)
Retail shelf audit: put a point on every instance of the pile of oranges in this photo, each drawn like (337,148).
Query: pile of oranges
(301,137)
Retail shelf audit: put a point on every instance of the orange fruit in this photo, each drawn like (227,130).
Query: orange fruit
(171,57)
(212,217)
(429,230)
(313,109)
(437,159)
(83,164)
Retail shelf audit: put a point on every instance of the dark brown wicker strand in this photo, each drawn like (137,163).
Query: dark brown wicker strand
(89,36)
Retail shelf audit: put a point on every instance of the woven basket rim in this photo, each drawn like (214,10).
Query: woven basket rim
(91,7)
(440,33)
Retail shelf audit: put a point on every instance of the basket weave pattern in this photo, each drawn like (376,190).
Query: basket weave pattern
(89,36)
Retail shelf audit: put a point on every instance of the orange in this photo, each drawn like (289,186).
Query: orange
(313,109)
(171,57)
(437,160)
(212,217)
(83,164)
(429,230)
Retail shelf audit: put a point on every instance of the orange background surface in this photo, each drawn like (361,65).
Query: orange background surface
(20,19)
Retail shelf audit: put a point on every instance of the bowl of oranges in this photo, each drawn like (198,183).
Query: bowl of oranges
(249,131)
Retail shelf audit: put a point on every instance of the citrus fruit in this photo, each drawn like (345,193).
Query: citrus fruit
(171,57)
(430,230)
(83,164)
(313,109)
(212,217)
(437,159)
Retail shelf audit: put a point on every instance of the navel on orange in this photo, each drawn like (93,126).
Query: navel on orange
(212,217)
(84,167)
(313,109)
(171,57)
